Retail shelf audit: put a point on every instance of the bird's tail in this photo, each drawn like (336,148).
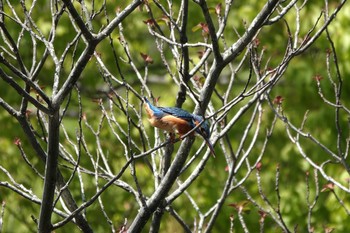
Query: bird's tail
(146,100)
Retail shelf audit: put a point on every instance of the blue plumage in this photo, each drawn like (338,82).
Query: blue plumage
(175,119)
(178,112)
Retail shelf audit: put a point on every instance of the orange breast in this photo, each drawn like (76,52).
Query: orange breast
(178,124)
(168,123)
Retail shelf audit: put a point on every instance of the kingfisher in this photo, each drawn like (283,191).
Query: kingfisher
(173,119)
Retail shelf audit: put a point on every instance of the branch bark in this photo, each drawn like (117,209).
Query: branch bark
(231,53)
(159,194)
(44,225)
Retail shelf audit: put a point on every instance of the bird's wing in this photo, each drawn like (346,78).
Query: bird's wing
(177,112)
(159,112)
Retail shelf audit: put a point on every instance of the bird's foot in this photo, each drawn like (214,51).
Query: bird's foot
(172,138)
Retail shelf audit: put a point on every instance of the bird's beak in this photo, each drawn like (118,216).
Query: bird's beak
(210,147)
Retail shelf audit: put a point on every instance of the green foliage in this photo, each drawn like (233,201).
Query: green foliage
(298,88)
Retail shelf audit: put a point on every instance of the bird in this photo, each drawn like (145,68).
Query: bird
(177,120)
